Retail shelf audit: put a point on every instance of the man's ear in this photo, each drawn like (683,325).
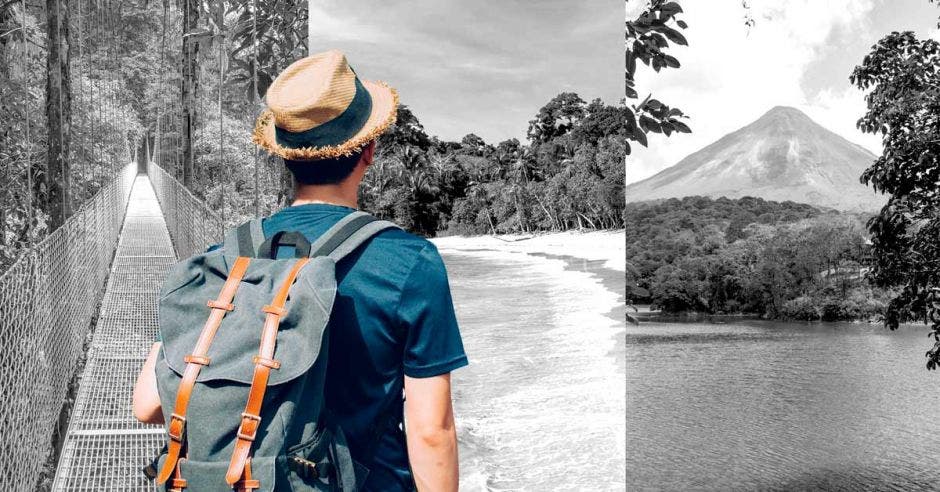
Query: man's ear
(368,153)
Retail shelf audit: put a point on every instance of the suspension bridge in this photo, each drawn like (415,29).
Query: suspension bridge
(79,303)
(126,238)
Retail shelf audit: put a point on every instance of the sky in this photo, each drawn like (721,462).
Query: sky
(799,53)
(481,66)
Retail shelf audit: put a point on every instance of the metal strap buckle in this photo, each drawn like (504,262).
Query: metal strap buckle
(176,427)
(247,418)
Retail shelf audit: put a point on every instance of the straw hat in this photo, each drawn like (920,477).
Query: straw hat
(319,109)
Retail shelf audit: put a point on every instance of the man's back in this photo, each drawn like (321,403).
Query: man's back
(393,316)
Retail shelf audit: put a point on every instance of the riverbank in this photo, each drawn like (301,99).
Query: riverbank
(645,314)
(608,246)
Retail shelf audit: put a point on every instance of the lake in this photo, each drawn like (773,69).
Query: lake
(541,405)
(756,405)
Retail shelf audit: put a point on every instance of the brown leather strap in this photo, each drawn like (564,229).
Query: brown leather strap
(251,419)
(177,483)
(194,363)
(246,483)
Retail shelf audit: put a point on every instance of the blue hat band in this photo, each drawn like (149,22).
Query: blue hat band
(334,132)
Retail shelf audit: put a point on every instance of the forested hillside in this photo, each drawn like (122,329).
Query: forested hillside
(749,256)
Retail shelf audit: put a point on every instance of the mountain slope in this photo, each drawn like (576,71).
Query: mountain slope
(783,155)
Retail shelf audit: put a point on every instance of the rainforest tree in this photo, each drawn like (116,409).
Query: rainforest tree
(902,77)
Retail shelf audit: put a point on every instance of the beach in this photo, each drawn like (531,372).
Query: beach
(608,246)
(543,327)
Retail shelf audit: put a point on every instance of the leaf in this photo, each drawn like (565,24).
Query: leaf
(680,126)
(650,124)
(670,9)
(675,36)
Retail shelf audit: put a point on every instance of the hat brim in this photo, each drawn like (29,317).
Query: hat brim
(384,112)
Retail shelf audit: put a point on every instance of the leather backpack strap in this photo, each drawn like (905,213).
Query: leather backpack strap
(177,483)
(264,362)
(194,362)
(246,483)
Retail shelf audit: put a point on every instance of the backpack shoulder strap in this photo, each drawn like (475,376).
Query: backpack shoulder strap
(348,234)
(244,240)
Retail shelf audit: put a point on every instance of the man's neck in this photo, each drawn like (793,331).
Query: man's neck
(330,194)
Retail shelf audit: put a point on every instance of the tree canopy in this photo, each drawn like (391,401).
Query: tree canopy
(902,77)
(749,256)
(648,38)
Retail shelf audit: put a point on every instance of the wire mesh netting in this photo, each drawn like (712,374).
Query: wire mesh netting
(106,447)
(47,300)
(192,225)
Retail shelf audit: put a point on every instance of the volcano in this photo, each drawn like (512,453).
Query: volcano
(783,155)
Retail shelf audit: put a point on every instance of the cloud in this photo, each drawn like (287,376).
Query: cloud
(481,67)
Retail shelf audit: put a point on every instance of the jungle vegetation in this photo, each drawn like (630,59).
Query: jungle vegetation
(780,260)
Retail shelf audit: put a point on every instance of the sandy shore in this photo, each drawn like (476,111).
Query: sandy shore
(609,246)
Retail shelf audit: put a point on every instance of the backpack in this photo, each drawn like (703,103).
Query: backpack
(243,398)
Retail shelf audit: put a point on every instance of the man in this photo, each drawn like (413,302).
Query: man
(393,328)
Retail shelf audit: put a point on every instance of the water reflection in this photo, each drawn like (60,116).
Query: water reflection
(759,405)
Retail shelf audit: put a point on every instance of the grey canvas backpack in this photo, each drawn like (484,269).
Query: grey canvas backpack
(243,397)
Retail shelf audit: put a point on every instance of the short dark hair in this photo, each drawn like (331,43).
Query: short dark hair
(324,171)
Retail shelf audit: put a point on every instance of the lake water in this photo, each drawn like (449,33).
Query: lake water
(541,405)
(780,406)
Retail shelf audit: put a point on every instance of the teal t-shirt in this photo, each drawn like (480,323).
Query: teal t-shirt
(393,316)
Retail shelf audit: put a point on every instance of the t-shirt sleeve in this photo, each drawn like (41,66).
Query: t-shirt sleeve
(433,345)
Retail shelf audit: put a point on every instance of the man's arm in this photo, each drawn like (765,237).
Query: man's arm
(146,399)
(430,432)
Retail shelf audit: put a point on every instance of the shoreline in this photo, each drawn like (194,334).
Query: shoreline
(693,317)
(545,327)
(597,253)
(608,245)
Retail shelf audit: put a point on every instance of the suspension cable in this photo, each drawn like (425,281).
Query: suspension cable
(161,115)
(62,158)
(221,82)
(81,101)
(254,92)
(29,146)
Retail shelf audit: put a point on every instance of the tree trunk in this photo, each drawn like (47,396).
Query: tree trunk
(189,87)
(58,113)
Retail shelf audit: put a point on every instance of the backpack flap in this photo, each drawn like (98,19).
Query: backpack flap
(183,311)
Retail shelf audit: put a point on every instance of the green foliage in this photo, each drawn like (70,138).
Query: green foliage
(569,175)
(556,118)
(271,32)
(106,103)
(902,75)
(647,40)
(748,255)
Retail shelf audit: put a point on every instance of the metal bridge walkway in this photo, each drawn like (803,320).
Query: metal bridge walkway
(105,447)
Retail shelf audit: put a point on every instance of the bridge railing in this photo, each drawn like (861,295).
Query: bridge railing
(47,300)
(193,226)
